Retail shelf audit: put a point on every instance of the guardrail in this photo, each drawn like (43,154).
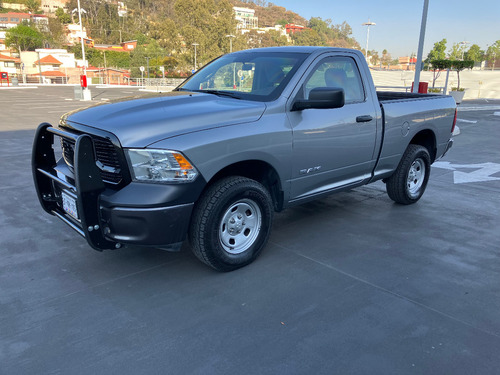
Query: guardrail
(156,84)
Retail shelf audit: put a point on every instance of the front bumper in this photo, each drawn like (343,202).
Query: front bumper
(136,214)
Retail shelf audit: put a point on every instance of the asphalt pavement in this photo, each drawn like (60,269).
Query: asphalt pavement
(350,284)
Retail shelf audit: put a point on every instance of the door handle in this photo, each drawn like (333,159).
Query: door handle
(365,118)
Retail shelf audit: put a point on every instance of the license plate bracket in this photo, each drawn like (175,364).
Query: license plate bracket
(69,205)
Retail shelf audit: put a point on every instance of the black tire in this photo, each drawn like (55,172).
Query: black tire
(409,181)
(231,223)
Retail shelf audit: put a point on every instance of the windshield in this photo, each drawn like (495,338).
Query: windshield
(259,76)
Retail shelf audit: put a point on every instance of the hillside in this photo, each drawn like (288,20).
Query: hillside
(272,14)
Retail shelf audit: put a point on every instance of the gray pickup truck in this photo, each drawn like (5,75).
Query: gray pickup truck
(251,133)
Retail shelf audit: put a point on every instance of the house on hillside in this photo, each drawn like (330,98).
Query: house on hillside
(128,46)
(246,18)
(49,7)
(9,64)
(12,19)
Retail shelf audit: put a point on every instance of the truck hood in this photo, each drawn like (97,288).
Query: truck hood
(139,122)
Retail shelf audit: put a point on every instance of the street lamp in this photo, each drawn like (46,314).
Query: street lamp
(147,65)
(195,44)
(463,44)
(367,24)
(421,39)
(230,36)
(80,10)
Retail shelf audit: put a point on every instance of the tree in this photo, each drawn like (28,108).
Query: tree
(458,66)
(386,57)
(271,38)
(63,17)
(474,53)
(55,35)
(437,67)
(139,58)
(493,53)
(438,51)
(32,6)
(373,57)
(165,32)
(24,38)
(308,37)
(205,22)
(456,52)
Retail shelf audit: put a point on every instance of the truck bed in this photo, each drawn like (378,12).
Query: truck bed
(384,96)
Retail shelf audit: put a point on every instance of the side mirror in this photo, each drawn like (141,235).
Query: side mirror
(321,98)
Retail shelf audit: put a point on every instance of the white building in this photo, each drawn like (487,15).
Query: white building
(73,33)
(246,18)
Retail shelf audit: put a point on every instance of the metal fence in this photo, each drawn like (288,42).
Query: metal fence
(156,84)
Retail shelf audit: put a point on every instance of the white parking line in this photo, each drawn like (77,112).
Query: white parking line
(479,108)
(467,121)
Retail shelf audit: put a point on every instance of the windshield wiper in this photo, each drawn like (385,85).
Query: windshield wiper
(220,93)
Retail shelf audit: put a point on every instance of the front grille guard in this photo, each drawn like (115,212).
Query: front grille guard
(87,187)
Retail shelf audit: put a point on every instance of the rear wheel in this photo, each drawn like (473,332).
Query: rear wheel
(409,181)
(231,223)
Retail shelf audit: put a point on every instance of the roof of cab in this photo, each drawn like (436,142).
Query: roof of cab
(297,49)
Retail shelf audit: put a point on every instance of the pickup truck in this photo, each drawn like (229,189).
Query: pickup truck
(251,133)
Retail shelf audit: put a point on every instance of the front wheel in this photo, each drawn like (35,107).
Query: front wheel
(231,223)
(409,181)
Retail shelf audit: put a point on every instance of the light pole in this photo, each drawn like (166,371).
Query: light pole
(463,44)
(230,36)
(147,66)
(416,80)
(367,24)
(195,45)
(80,10)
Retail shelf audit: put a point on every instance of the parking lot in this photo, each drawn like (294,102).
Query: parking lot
(350,284)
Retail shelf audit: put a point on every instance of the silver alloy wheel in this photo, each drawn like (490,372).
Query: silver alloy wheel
(240,226)
(416,177)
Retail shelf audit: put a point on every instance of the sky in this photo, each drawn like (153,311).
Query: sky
(398,21)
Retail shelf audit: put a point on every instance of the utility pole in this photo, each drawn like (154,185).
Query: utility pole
(147,66)
(81,38)
(39,67)
(105,70)
(367,24)
(195,65)
(464,45)
(86,91)
(416,81)
(230,36)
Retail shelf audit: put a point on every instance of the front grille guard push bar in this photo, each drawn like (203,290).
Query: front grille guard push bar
(86,189)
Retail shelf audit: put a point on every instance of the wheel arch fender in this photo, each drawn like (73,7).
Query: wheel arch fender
(258,170)
(427,139)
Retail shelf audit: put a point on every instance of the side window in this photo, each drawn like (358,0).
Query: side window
(340,72)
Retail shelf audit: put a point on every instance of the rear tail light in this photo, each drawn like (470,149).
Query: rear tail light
(454,122)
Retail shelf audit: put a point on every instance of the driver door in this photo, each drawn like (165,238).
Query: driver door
(332,148)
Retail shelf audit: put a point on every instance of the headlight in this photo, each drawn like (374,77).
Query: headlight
(160,166)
